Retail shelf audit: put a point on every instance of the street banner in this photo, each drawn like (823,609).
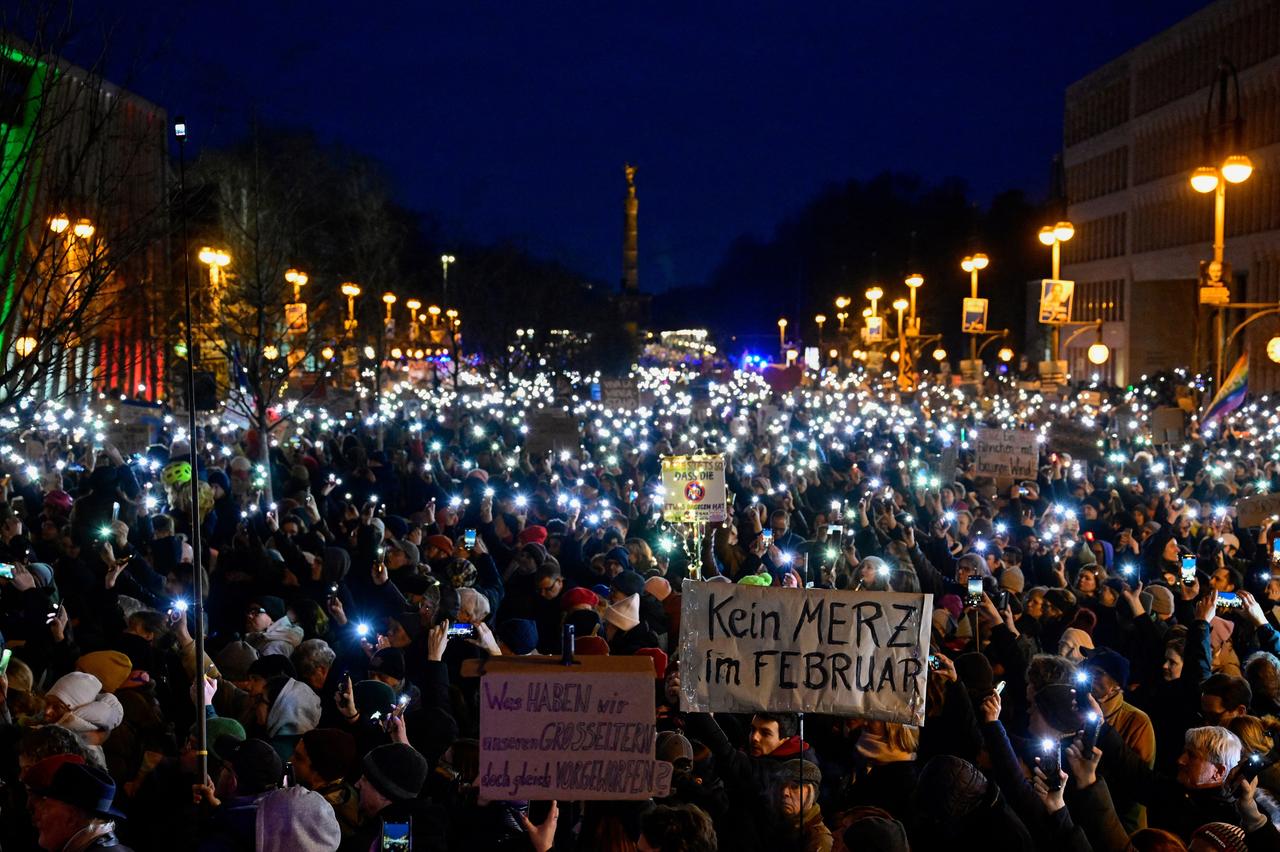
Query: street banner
(974,318)
(583,731)
(694,490)
(1055,300)
(769,648)
(874,332)
(1006,453)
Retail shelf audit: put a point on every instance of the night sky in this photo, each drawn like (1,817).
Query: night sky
(511,120)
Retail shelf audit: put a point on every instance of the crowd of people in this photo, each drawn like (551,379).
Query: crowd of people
(1104,669)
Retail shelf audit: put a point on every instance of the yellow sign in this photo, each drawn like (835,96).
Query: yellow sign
(694,490)
(295,317)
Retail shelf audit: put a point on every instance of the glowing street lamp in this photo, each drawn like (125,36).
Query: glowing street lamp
(271,352)
(83,229)
(445,260)
(413,305)
(388,299)
(217,260)
(1005,354)
(350,289)
(821,320)
(298,279)
(59,223)
(842,302)
(434,311)
(904,376)
(1054,236)
(874,295)
(915,281)
(327,353)
(1098,353)
(24,346)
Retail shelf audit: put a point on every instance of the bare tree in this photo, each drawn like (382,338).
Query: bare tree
(83,213)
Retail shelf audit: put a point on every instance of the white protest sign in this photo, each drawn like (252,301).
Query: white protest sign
(620,393)
(1006,453)
(750,648)
(694,490)
(550,731)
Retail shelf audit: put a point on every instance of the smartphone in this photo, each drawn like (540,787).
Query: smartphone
(1092,725)
(5,656)
(6,571)
(1251,767)
(973,592)
(768,537)
(1229,600)
(286,778)
(397,836)
(1000,688)
(835,530)
(466,631)
(1188,570)
(1275,550)
(1002,599)
(1050,763)
(935,662)
(469,539)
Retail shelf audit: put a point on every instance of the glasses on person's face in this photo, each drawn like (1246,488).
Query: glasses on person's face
(549,589)
(256,610)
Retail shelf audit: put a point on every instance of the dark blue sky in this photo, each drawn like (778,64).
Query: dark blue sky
(512,119)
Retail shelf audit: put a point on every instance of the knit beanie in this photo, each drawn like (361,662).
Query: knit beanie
(974,671)
(1220,835)
(520,635)
(441,543)
(76,689)
(591,646)
(658,587)
(625,614)
(234,660)
(659,658)
(1113,664)
(256,764)
(295,819)
(332,752)
(949,789)
(1161,599)
(396,771)
(373,696)
(579,596)
(1011,579)
(532,534)
(388,662)
(219,727)
(627,583)
(111,668)
(883,834)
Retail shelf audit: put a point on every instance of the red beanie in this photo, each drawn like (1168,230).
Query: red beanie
(580,596)
(536,534)
(659,660)
(591,646)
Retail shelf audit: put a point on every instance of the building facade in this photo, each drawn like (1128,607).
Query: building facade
(1132,134)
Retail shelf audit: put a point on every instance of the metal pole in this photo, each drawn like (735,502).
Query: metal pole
(973,291)
(197,571)
(1054,330)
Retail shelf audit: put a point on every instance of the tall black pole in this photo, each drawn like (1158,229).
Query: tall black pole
(197,571)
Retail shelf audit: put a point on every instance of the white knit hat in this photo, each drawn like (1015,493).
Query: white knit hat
(625,614)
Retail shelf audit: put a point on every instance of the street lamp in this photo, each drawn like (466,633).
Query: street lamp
(388,299)
(434,311)
(821,320)
(973,264)
(298,279)
(350,289)
(327,353)
(83,229)
(59,223)
(1098,353)
(874,295)
(217,260)
(413,305)
(445,260)
(1273,349)
(939,354)
(1224,162)
(842,302)
(1005,354)
(1054,236)
(915,281)
(24,346)
(904,375)
(782,335)
(271,352)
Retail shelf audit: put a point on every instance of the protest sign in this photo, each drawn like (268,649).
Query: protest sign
(749,648)
(551,430)
(694,490)
(1168,424)
(585,731)
(1257,510)
(1006,453)
(620,393)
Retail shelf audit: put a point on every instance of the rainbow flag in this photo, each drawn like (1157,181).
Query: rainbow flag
(1230,395)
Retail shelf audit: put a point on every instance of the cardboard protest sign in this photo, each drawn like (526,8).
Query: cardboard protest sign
(620,393)
(749,648)
(550,431)
(1006,453)
(585,731)
(1257,510)
(694,489)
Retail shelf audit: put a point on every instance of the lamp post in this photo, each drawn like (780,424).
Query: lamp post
(414,305)
(1054,236)
(904,371)
(821,320)
(782,337)
(298,279)
(915,281)
(874,295)
(1224,162)
(842,302)
(389,299)
(350,289)
(217,260)
(445,260)
(973,264)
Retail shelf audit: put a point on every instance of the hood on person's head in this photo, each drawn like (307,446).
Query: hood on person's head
(294,710)
(295,819)
(397,526)
(388,662)
(219,479)
(271,666)
(882,833)
(949,789)
(621,556)
(336,563)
